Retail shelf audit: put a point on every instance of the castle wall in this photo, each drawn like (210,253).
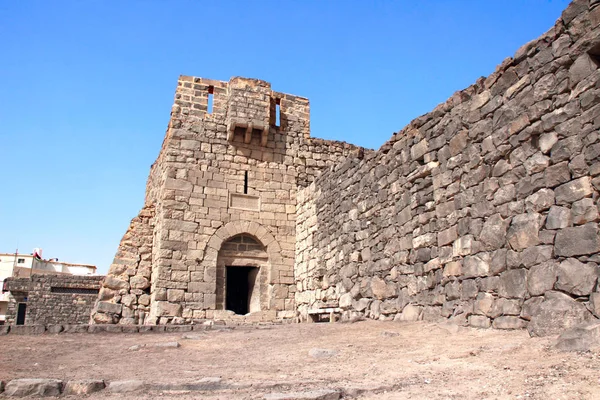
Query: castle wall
(53,299)
(484,211)
(222,172)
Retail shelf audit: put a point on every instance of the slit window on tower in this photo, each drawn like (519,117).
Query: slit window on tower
(209,107)
(246,182)
(277,112)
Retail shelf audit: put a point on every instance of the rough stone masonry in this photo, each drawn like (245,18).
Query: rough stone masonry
(218,228)
(484,211)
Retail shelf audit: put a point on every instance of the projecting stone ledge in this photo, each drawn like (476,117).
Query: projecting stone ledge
(250,126)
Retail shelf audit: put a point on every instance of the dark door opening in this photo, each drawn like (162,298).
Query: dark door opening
(21,308)
(240,283)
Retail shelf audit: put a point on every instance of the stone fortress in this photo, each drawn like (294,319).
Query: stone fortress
(484,211)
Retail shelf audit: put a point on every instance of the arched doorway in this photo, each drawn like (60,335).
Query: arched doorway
(242,270)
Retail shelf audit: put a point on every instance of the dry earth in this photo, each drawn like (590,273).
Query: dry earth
(374,360)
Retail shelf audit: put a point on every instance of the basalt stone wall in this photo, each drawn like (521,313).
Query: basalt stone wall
(484,211)
(54,299)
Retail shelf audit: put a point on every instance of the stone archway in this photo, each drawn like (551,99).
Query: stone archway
(244,244)
(241,281)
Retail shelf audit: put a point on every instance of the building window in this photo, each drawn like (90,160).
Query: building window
(20,261)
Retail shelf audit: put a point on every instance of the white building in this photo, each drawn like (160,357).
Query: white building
(23,265)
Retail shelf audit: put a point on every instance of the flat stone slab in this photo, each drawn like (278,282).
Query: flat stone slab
(582,337)
(27,329)
(33,387)
(125,386)
(208,383)
(309,395)
(85,386)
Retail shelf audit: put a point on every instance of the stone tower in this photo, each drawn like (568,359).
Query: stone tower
(218,228)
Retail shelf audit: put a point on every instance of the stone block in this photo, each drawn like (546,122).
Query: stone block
(524,230)
(166,309)
(513,283)
(106,307)
(583,337)
(54,329)
(474,266)
(175,295)
(127,386)
(410,313)
(558,218)
(483,304)
(574,190)
(575,241)
(584,211)
(33,387)
(576,277)
(83,387)
(509,322)
(541,278)
(418,150)
(447,236)
(479,321)
(27,329)
(493,234)
(114,283)
(556,313)
(541,200)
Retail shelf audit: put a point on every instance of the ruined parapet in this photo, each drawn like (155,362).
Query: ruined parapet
(125,291)
(233,157)
(483,211)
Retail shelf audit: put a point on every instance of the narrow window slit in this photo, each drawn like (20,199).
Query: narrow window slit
(211,91)
(277,112)
(246,182)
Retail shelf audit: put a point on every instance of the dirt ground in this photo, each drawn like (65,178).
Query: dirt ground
(372,360)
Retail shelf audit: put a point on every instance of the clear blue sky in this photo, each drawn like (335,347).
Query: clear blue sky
(86,88)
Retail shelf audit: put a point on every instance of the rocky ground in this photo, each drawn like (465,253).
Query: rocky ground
(364,360)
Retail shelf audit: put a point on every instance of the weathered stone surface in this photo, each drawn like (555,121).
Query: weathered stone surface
(164,308)
(33,387)
(27,329)
(107,307)
(524,231)
(83,387)
(509,322)
(583,337)
(127,386)
(541,200)
(577,278)
(558,218)
(478,265)
(410,313)
(479,321)
(493,234)
(555,314)
(114,283)
(594,304)
(541,278)
(584,211)
(578,240)
(513,283)
(573,191)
